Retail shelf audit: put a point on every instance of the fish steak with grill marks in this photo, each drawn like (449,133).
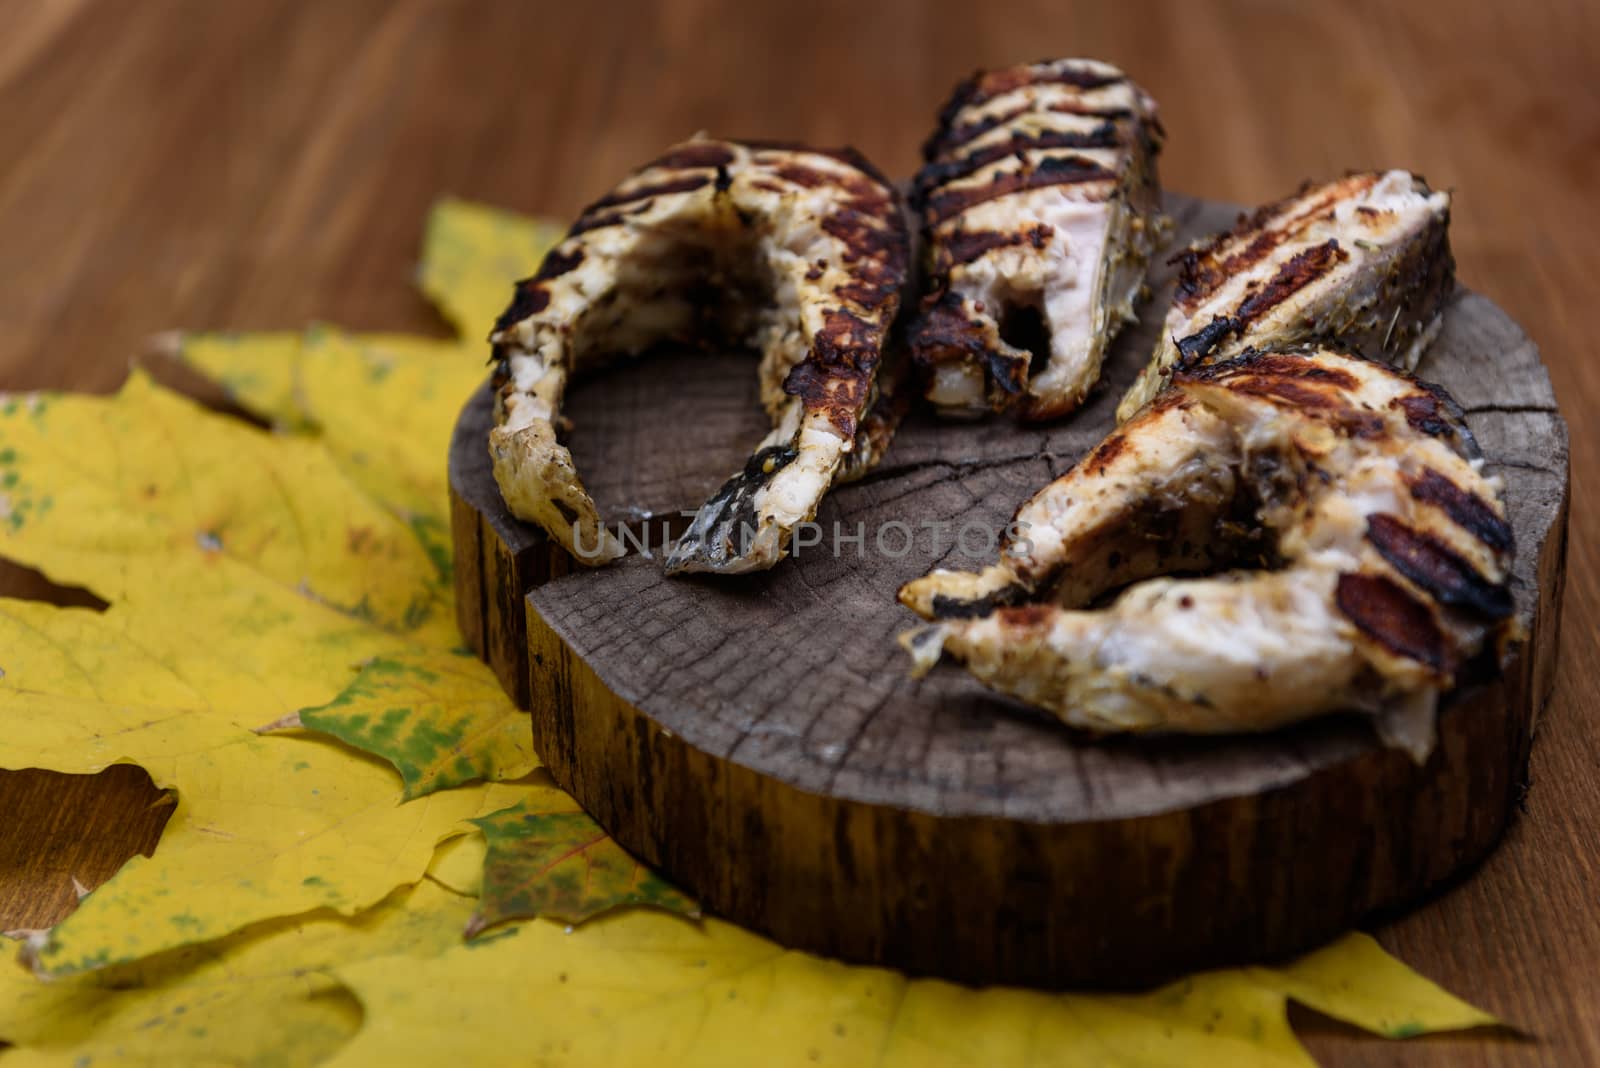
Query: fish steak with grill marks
(801,253)
(1040,208)
(1360,560)
(1363,261)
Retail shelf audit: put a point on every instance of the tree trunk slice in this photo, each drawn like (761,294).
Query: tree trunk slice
(760,741)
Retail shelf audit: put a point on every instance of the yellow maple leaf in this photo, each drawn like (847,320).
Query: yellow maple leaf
(262,996)
(259,371)
(1356,981)
(647,988)
(114,493)
(383,404)
(437,716)
(545,856)
(262,827)
(248,577)
(458,863)
(384,408)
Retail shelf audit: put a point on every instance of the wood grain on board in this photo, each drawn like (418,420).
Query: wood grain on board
(252,165)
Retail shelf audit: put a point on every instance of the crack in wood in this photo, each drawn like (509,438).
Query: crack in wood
(1512,409)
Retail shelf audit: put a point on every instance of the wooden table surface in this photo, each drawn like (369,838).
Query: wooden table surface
(251,165)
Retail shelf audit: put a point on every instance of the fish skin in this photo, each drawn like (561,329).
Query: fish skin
(802,252)
(1366,559)
(1040,208)
(1363,261)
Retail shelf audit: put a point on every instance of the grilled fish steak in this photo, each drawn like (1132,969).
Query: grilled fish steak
(1363,261)
(800,252)
(1040,207)
(1371,560)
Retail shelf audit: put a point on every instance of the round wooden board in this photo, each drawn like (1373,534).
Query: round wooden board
(760,741)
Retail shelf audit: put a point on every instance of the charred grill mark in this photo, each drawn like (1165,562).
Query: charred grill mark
(1345,418)
(1203,273)
(945,607)
(1302,269)
(1055,170)
(867,290)
(846,155)
(947,139)
(531,298)
(1253,253)
(1437,569)
(1008,372)
(557,263)
(960,98)
(1281,364)
(1107,451)
(1300,367)
(1382,610)
(706,154)
(983,86)
(876,248)
(802,175)
(964,246)
(944,334)
(835,378)
(646,192)
(1432,411)
(1290,379)
(1465,444)
(1004,81)
(1423,414)
(1201,276)
(1207,337)
(586,223)
(1288,207)
(937,174)
(1467,510)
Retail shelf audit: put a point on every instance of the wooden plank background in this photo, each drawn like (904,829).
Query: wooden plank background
(250,165)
